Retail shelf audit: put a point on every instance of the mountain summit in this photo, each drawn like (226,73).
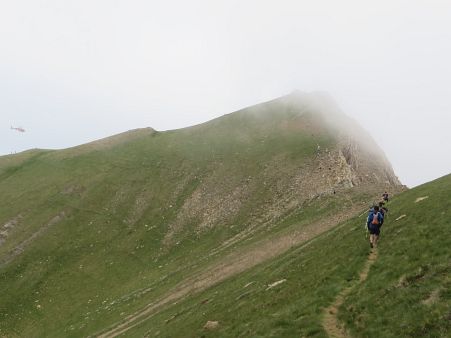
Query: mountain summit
(93,233)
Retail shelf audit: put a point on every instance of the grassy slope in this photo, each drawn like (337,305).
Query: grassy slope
(395,301)
(315,274)
(408,292)
(102,261)
(94,265)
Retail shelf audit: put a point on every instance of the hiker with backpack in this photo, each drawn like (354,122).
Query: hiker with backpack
(373,223)
(383,210)
(385,196)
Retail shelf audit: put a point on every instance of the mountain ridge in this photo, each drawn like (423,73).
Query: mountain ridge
(126,219)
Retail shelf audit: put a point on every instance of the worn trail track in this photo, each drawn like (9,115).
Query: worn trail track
(331,323)
(228,266)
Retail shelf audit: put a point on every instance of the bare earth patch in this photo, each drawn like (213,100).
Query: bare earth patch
(419,199)
(270,286)
(400,217)
(433,297)
(211,325)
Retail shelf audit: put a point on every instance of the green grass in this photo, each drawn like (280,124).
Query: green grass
(111,255)
(414,264)
(314,274)
(110,246)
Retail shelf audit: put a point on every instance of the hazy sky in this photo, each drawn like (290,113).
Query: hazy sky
(74,71)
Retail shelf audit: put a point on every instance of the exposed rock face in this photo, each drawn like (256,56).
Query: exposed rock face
(364,161)
(351,160)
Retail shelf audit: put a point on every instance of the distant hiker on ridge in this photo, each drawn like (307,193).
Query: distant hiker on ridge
(374,222)
(385,196)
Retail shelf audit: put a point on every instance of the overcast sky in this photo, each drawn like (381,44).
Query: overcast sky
(75,71)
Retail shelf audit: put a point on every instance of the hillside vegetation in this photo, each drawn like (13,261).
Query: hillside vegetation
(406,292)
(92,234)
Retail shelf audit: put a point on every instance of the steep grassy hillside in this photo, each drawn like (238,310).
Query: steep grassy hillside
(91,234)
(406,293)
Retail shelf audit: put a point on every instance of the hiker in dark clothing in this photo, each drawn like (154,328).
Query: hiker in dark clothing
(373,223)
(385,196)
(383,210)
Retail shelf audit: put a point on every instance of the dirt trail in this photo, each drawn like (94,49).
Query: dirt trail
(330,321)
(228,266)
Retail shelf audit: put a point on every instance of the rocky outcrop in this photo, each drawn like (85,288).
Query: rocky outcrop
(351,160)
(365,159)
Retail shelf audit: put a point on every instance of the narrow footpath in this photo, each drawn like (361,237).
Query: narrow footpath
(330,320)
